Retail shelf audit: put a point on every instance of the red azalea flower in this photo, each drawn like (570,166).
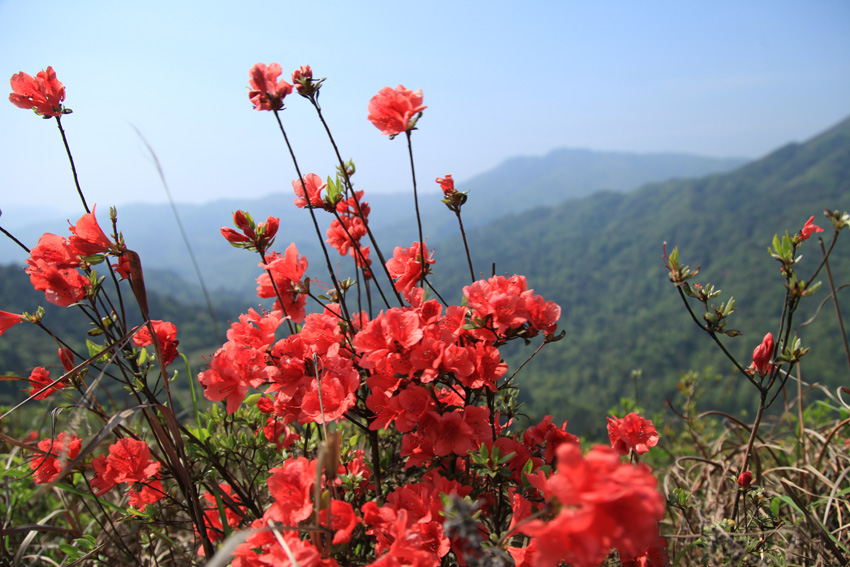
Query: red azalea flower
(62,287)
(314,186)
(146,493)
(88,238)
(394,111)
(166,333)
(808,229)
(745,479)
(302,78)
(59,451)
(405,266)
(42,383)
(632,432)
(43,93)
(291,486)
(130,461)
(762,355)
(604,503)
(8,320)
(267,93)
(447,184)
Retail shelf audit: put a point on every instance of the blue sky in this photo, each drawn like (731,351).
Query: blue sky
(500,79)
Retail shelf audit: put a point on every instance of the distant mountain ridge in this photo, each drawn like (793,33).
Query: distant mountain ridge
(515,185)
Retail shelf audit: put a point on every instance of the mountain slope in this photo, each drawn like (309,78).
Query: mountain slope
(600,258)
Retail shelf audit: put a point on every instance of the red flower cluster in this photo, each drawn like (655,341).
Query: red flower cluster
(500,304)
(291,487)
(394,111)
(53,262)
(129,461)
(600,504)
(348,228)
(745,479)
(166,334)
(408,529)
(58,452)
(632,433)
(267,93)
(43,93)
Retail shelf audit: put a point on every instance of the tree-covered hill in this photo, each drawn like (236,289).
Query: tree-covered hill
(600,258)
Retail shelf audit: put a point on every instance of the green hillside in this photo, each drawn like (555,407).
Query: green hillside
(600,258)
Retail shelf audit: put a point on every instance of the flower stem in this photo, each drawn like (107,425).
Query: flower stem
(73,167)
(315,222)
(18,242)
(424,261)
(350,188)
(465,246)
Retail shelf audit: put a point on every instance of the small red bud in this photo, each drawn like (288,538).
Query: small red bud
(233,236)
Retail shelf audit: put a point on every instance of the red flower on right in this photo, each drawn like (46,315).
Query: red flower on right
(632,432)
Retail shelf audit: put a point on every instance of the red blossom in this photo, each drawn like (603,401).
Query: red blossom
(8,320)
(43,93)
(405,266)
(808,229)
(291,486)
(447,184)
(632,432)
(267,93)
(314,185)
(745,479)
(62,287)
(302,78)
(42,384)
(394,111)
(88,238)
(59,451)
(145,493)
(603,503)
(762,355)
(166,333)
(130,461)
(233,513)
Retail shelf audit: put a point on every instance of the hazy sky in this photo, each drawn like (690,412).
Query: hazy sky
(721,78)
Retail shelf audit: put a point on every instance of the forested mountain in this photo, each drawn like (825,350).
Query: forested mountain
(600,258)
